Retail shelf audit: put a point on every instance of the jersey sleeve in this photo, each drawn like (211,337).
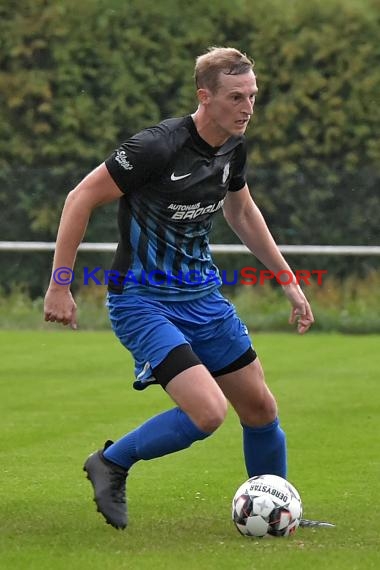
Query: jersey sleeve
(138,159)
(239,168)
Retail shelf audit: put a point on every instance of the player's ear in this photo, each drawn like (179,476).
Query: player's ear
(203,96)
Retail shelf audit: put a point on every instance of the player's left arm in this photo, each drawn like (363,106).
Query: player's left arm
(246,220)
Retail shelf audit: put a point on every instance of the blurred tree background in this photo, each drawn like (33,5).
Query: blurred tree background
(77,78)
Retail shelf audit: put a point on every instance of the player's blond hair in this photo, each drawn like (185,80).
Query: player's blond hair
(217,60)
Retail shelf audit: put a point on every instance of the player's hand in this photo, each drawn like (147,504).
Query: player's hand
(60,307)
(301,312)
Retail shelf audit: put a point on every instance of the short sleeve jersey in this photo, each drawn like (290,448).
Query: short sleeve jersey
(173,183)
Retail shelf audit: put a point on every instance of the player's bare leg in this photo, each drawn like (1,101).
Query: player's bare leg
(249,395)
(264,441)
(196,392)
(201,409)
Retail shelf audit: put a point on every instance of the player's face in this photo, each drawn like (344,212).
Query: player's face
(230,108)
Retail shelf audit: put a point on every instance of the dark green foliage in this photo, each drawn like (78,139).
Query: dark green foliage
(316,136)
(76,78)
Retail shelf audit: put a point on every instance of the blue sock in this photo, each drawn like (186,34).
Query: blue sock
(265,450)
(166,433)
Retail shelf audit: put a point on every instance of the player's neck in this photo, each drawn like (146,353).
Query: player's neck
(207,129)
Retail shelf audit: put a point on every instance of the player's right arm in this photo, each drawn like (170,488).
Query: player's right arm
(96,189)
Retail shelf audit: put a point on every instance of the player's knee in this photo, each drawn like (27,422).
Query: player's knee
(212,415)
(261,411)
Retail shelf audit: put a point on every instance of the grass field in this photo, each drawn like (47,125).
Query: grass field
(63,393)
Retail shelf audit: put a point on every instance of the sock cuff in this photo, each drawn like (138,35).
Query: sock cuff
(262,429)
(112,454)
(189,428)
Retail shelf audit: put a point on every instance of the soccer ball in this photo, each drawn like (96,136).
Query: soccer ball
(266,505)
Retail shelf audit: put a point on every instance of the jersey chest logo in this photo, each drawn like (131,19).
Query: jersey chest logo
(226,172)
(174,177)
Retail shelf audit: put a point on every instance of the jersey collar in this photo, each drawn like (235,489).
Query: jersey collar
(230,144)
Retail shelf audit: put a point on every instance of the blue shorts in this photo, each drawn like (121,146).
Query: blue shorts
(150,329)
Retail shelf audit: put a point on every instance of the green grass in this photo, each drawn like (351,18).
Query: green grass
(63,393)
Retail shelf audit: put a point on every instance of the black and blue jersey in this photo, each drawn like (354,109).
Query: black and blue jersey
(173,183)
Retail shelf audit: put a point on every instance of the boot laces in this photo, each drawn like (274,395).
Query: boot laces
(118,486)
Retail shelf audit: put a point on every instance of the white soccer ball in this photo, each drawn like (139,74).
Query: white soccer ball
(266,505)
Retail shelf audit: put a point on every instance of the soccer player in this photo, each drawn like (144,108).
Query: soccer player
(164,301)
